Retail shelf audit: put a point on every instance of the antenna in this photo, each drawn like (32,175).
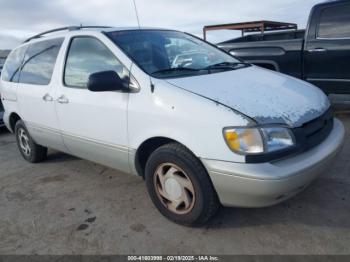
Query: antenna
(136,13)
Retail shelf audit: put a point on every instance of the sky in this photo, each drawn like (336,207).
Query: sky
(19,19)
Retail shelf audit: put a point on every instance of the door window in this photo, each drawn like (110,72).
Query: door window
(39,62)
(86,56)
(335,22)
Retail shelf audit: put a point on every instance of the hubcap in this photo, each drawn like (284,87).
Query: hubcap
(174,188)
(24,142)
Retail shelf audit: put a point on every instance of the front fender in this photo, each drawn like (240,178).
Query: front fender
(179,115)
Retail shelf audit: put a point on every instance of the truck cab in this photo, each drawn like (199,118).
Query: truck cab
(327,47)
(320,54)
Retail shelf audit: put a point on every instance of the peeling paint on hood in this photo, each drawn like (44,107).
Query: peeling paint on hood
(267,97)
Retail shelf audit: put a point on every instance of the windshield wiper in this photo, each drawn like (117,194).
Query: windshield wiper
(175,69)
(225,65)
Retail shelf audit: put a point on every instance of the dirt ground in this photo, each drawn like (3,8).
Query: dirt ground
(71,206)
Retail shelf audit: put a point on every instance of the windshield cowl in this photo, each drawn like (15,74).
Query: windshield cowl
(185,71)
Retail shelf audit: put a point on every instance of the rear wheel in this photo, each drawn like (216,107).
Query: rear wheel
(179,186)
(30,151)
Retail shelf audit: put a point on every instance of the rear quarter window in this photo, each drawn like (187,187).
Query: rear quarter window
(11,70)
(39,62)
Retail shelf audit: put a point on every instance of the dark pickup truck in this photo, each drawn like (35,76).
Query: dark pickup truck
(3,55)
(320,54)
(1,114)
(1,106)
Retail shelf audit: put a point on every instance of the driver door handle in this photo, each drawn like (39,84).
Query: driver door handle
(63,99)
(47,98)
(317,50)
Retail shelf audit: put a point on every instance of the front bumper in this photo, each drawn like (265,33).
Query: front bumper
(266,184)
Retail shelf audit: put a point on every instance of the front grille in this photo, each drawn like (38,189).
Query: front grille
(314,132)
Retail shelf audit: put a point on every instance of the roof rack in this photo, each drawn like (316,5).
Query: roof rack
(69,28)
(248,27)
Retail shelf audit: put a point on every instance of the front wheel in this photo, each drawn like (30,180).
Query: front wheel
(30,151)
(179,186)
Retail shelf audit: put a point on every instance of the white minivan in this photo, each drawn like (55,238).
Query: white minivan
(200,126)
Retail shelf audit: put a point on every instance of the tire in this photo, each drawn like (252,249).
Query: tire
(30,151)
(191,204)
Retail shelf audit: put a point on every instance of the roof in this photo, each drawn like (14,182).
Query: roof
(112,29)
(254,26)
(67,28)
(89,28)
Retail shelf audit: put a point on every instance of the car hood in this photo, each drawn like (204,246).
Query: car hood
(267,97)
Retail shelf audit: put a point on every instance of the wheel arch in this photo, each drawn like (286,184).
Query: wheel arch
(13,119)
(267,64)
(147,148)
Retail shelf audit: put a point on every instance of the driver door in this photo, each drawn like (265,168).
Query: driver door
(93,124)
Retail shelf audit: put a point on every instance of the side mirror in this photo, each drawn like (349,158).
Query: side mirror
(105,81)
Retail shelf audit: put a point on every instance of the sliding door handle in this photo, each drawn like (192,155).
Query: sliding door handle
(63,99)
(47,98)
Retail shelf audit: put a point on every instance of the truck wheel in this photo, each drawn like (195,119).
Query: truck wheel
(179,186)
(30,151)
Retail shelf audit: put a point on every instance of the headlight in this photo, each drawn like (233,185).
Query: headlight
(260,140)
(277,138)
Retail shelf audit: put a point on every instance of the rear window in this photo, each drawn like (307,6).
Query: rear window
(11,70)
(335,22)
(39,62)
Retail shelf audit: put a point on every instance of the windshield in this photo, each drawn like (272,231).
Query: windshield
(165,53)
